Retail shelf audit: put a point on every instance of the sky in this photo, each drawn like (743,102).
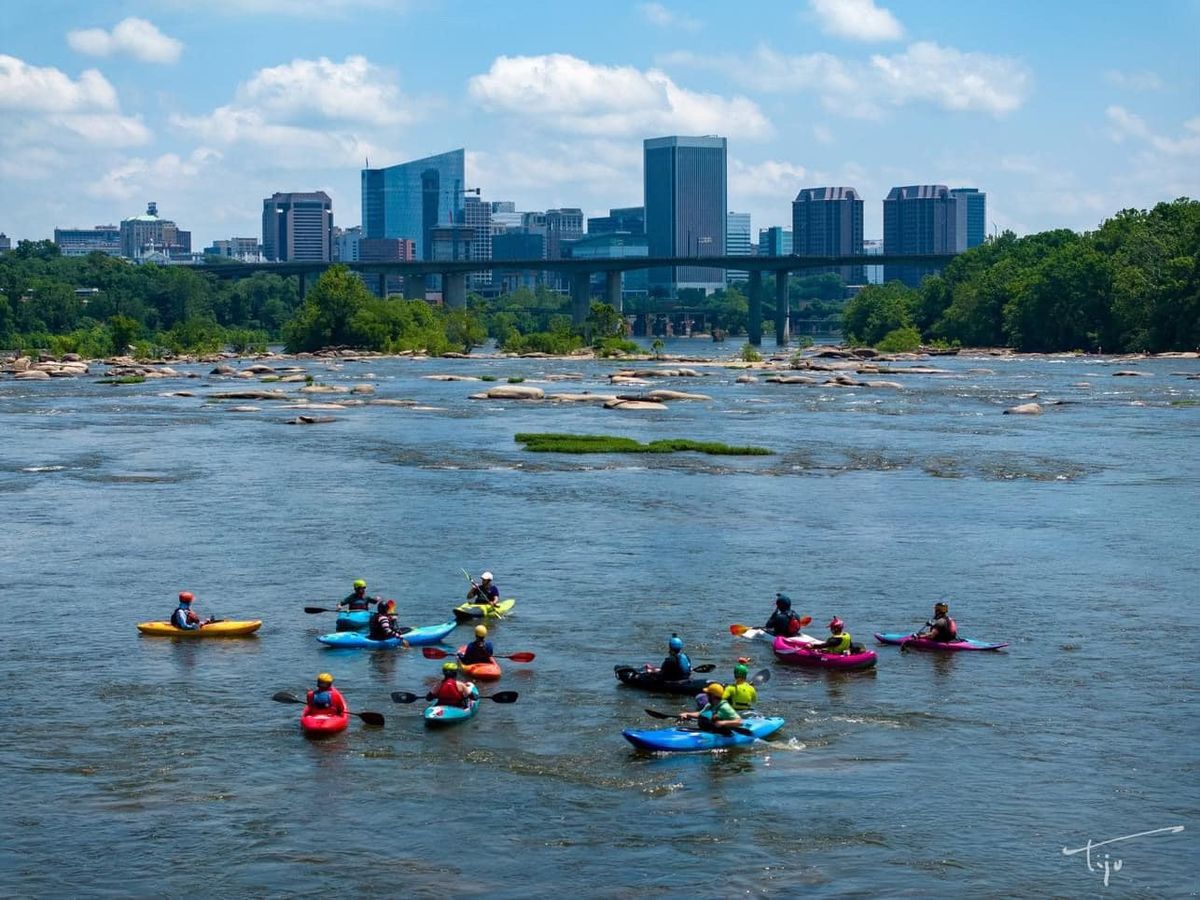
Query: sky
(1064,112)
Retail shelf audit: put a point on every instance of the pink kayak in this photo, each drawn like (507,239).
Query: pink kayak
(798,652)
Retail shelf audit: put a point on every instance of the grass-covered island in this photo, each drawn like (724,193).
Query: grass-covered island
(607,443)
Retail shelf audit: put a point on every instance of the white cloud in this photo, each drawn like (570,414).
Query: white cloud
(565,93)
(770,179)
(924,73)
(26,87)
(351,91)
(135,177)
(1126,124)
(133,36)
(858,20)
(657,14)
(1137,81)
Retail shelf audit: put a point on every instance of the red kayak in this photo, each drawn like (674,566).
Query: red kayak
(484,671)
(323,723)
(798,652)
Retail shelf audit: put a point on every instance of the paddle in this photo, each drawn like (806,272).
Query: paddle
(409,697)
(370,718)
(435,653)
(739,630)
(703,723)
(319,609)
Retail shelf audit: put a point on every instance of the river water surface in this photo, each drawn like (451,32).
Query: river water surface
(142,766)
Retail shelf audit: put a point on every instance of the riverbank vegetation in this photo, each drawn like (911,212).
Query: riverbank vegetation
(605,443)
(1131,285)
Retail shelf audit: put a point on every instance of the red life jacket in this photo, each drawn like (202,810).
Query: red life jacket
(793,625)
(450,693)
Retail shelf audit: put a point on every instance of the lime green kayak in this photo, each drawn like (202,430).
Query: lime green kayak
(475,612)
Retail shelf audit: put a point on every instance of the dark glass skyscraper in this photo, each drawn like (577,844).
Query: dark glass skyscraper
(922,218)
(686,194)
(408,200)
(976,201)
(828,221)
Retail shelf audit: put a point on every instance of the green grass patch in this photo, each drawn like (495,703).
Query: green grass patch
(123,379)
(1185,402)
(487,377)
(605,443)
(515,379)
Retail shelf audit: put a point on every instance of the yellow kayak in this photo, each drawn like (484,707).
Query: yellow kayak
(224,628)
(474,612)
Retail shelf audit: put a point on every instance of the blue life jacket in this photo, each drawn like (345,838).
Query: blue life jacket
(179,618)
(322,699)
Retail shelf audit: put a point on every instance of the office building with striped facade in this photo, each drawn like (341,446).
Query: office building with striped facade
(828,221)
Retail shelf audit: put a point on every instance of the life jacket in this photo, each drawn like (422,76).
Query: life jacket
(676,667)
(477,652)
(741,696)
(843,646)
(451,693)
(793,625)
(713,710)
(320,699)
(356,602)
(946,633)
(183,617)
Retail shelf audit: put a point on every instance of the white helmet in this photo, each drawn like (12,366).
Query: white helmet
(486,576)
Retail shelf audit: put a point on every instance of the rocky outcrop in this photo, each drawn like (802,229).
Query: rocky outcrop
(309,420)
(324,389)
(746,379)
(618,403)
(1129,373)
(248,395)
(789,379)
(32,375)
(511,392)
(661,396)
(584,397)
(1025,409)
(451,377)
(363,389)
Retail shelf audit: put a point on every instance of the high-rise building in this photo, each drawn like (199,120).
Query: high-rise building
(922,218)
(976,201)
(617,245)
(686,202)
(828,221)
(149,234)
(6,242)
(451,243)
(518,243)
(737,243)
(873,247)
(82,241)
(774,241)
(478,214)
(628,219)
(298,227)
(410,199)
(243,249)
(346,244)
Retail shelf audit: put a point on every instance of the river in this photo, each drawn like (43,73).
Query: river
(140,766)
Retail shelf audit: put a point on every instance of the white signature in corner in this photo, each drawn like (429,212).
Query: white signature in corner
(1107,864)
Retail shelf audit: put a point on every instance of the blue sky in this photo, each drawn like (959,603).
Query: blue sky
(1063,111)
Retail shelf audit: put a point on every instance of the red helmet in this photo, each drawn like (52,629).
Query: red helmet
(836,624)
(186,597)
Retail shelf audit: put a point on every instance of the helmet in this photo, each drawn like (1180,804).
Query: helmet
(836,624)
(783,601)
(324,678)
(449,668)
(486,576)
(675,643)
(715,690)
(941,608)
(381,606)
(186,597)
(740,670)
(358,584)
(480,631)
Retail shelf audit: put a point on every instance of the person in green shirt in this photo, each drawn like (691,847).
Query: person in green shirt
(719,710)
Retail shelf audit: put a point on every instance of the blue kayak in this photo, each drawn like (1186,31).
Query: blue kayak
(353,620)
(680,739)
(438,715)
(429,634)
(921,643)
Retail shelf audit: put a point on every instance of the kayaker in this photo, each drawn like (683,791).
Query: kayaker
(452,692)
(358,599)
(942,627)
(838,641)
(382,626)
(479,650)
(184,617)
(742,695)
(677,666)
(485,592)
(719,710)
(783,622)
(326,700)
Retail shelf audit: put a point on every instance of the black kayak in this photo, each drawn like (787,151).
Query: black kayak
(646,681)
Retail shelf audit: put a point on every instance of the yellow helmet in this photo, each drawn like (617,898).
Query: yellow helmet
(480,631)
(324,678)
(359,583)
(715,690)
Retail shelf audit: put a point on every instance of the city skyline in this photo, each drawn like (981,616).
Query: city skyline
(110,106)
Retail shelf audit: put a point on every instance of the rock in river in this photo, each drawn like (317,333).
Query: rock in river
(1025,409)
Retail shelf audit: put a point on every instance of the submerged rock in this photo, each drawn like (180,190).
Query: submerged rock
(618,403)
(309,420)
(746,379)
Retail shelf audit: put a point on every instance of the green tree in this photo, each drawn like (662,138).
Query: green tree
(124,332)
(877,310)
(464,329)
(324,320)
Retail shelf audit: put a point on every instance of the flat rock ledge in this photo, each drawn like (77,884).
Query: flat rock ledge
(1025,409)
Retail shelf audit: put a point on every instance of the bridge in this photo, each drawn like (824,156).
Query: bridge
(454,275)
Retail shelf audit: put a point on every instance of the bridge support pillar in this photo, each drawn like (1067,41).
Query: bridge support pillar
(414,287)
(383,285)
(581,296)
(454,290)
(303,279)
(612,289)
(781,308)
(754,325)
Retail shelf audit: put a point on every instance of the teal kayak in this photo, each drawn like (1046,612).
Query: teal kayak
(437,715)
(353,619)
(680,739)
(416,637)
(921,643)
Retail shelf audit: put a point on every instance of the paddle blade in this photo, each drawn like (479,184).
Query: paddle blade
(371,718)
(285,697)
(523,656)
(317,609)
(805,620)
(404,697)
(707,667)
(738,629)
(433,653)
(762,676)
(655,714)
(505,697)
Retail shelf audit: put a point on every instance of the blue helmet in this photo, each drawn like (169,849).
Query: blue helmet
(783,601)
(675,643)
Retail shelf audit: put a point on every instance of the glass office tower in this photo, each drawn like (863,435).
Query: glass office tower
(410,199)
